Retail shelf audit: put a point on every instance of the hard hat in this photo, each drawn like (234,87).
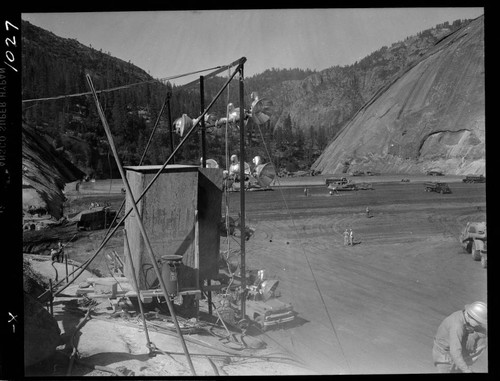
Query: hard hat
(478,311)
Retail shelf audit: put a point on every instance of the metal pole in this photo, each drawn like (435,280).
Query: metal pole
(171,131)
(136,285)
(139,222)
(167,99)
(127,213)
(51,298)
(202,123)
(66,266)
(242,195)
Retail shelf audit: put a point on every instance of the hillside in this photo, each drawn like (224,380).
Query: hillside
(310,108)
(431,116)
(44,174)
(328,99)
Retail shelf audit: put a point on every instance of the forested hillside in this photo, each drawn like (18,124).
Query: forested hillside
(310,107)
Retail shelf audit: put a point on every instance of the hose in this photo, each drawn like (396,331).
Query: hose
(74,352)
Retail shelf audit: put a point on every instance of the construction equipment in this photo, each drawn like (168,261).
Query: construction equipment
(436,186)
(336,181)
(473,240)
(263,307)
(469,179)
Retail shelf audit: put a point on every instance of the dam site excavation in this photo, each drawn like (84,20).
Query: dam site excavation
(193,230)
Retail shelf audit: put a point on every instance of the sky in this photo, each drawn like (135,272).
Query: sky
(172,43)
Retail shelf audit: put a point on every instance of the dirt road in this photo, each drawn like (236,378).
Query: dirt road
(375,306)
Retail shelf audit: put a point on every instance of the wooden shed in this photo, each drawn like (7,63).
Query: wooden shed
(181,213)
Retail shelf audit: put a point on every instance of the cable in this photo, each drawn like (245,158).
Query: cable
(161,80)
(307,260)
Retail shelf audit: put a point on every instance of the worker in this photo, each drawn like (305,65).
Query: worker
(351,237)
(460,339)
(346,237)
(57,255)
(368,212)
(234,168)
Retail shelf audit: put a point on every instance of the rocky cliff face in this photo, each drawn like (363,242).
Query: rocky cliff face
(45,172)
(432,116)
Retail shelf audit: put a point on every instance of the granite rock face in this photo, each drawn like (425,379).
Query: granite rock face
(431,117)
(45,173)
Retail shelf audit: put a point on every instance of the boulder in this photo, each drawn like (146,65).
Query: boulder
(41,332)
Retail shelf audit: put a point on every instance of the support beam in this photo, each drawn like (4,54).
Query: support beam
(139,222)
(242,195)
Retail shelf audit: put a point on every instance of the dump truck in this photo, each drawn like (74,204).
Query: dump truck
(473,240)
(438,187)
(469,179)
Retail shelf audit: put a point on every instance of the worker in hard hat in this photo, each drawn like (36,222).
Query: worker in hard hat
(346,237)
(460,339)
(234,167)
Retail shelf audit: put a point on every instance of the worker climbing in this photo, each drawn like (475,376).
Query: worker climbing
(460,339)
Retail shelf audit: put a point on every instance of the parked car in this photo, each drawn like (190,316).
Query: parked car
(473,240)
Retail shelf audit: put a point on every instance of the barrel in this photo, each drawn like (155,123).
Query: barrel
(169,272)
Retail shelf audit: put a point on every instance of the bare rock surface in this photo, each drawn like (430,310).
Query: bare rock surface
(431,117)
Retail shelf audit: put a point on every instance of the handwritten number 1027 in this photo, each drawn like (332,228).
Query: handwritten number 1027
(8,54)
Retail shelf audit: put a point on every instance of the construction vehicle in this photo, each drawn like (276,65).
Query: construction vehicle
(473,240)
(438,187)
(435,173)
(262,303)
(474,179)
(336,181)
(96,218)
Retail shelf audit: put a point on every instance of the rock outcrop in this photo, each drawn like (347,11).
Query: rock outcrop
(45,172)
(432,116)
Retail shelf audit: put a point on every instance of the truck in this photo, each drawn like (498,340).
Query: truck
(262,303)
(437,186)
(96,218)
(473,240)
(469,179)
(336,181)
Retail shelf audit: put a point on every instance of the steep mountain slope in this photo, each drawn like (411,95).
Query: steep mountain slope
(432,116)
(45,172)
(329,98)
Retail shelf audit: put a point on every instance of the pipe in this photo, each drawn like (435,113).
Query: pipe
(242,195)
(51,304)
(75,351)
(203,129)
(136,285)
(139,222)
